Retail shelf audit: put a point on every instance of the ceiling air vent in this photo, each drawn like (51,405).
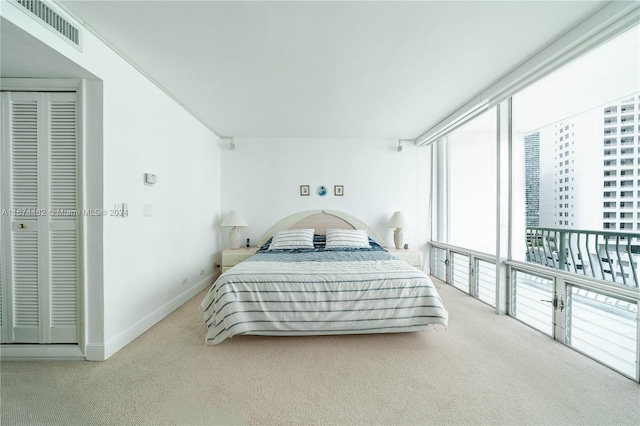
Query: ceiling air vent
(52,19)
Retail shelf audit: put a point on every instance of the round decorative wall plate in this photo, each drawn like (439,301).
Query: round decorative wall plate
(322,190)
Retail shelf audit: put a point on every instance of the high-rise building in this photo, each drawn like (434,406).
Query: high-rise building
(564,185)
(532,178)
(570,164)
(621,175)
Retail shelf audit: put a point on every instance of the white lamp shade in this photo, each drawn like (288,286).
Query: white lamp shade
(398,220)
(234,219)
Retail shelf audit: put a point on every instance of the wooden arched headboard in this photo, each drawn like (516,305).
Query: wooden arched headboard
(321,220)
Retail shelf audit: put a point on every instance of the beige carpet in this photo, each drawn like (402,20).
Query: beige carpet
(486,369)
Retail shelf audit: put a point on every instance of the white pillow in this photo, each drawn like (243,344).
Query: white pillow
(347,238)
(292,239)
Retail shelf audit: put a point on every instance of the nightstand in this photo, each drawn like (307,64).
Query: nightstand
(231,258)
(412,257)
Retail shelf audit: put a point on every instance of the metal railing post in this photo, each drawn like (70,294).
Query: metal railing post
(562,253)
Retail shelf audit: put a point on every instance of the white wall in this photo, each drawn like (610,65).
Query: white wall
(145,259)
(261,178)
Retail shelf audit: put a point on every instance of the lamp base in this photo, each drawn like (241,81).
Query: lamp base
(234,238)
(398,238)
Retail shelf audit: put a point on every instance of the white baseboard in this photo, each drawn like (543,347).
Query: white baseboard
(22,352)
(103,352)
(94,352)
(100,352)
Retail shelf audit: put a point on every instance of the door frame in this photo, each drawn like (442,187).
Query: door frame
(58,351)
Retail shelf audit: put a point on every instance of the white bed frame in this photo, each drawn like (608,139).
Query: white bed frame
(320,221)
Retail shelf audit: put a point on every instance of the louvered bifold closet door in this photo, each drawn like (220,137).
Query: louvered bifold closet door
(41,268)
(63,218)
(24,276)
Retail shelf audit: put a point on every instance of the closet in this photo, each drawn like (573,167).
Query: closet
(39,225)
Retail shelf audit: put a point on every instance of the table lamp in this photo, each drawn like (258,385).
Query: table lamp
(398,221)
(234,220)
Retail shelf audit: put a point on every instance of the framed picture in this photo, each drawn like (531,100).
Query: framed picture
(304,190)
(338,190)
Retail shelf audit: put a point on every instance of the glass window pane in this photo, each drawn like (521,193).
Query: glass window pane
(438,266)
(460,271)
(576,147)
(532,301)
(472,184)
(603,327)
(486,281)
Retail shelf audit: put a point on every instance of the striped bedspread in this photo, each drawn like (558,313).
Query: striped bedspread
(321,292)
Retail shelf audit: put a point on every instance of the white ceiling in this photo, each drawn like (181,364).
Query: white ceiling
(382,69)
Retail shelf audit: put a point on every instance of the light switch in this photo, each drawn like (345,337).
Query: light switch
(120,210)
(150,178)
(147,210)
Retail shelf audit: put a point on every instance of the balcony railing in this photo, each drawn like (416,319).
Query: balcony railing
(593,317)
(609,256)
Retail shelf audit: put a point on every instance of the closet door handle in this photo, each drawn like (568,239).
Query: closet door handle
(21,226)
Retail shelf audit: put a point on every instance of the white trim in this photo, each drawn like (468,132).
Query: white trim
(92,186)
(41,353)
(6,329)
(605,24)
(10,84)
(468,111)
(137,329)
(504,214)
(608,22)
(616,290)
(94,352)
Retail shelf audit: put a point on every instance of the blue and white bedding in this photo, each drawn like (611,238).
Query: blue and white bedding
(318,291)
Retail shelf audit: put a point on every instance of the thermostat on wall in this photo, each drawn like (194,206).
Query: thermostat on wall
(150,178)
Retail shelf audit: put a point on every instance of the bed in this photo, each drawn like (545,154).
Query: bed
(342,282)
